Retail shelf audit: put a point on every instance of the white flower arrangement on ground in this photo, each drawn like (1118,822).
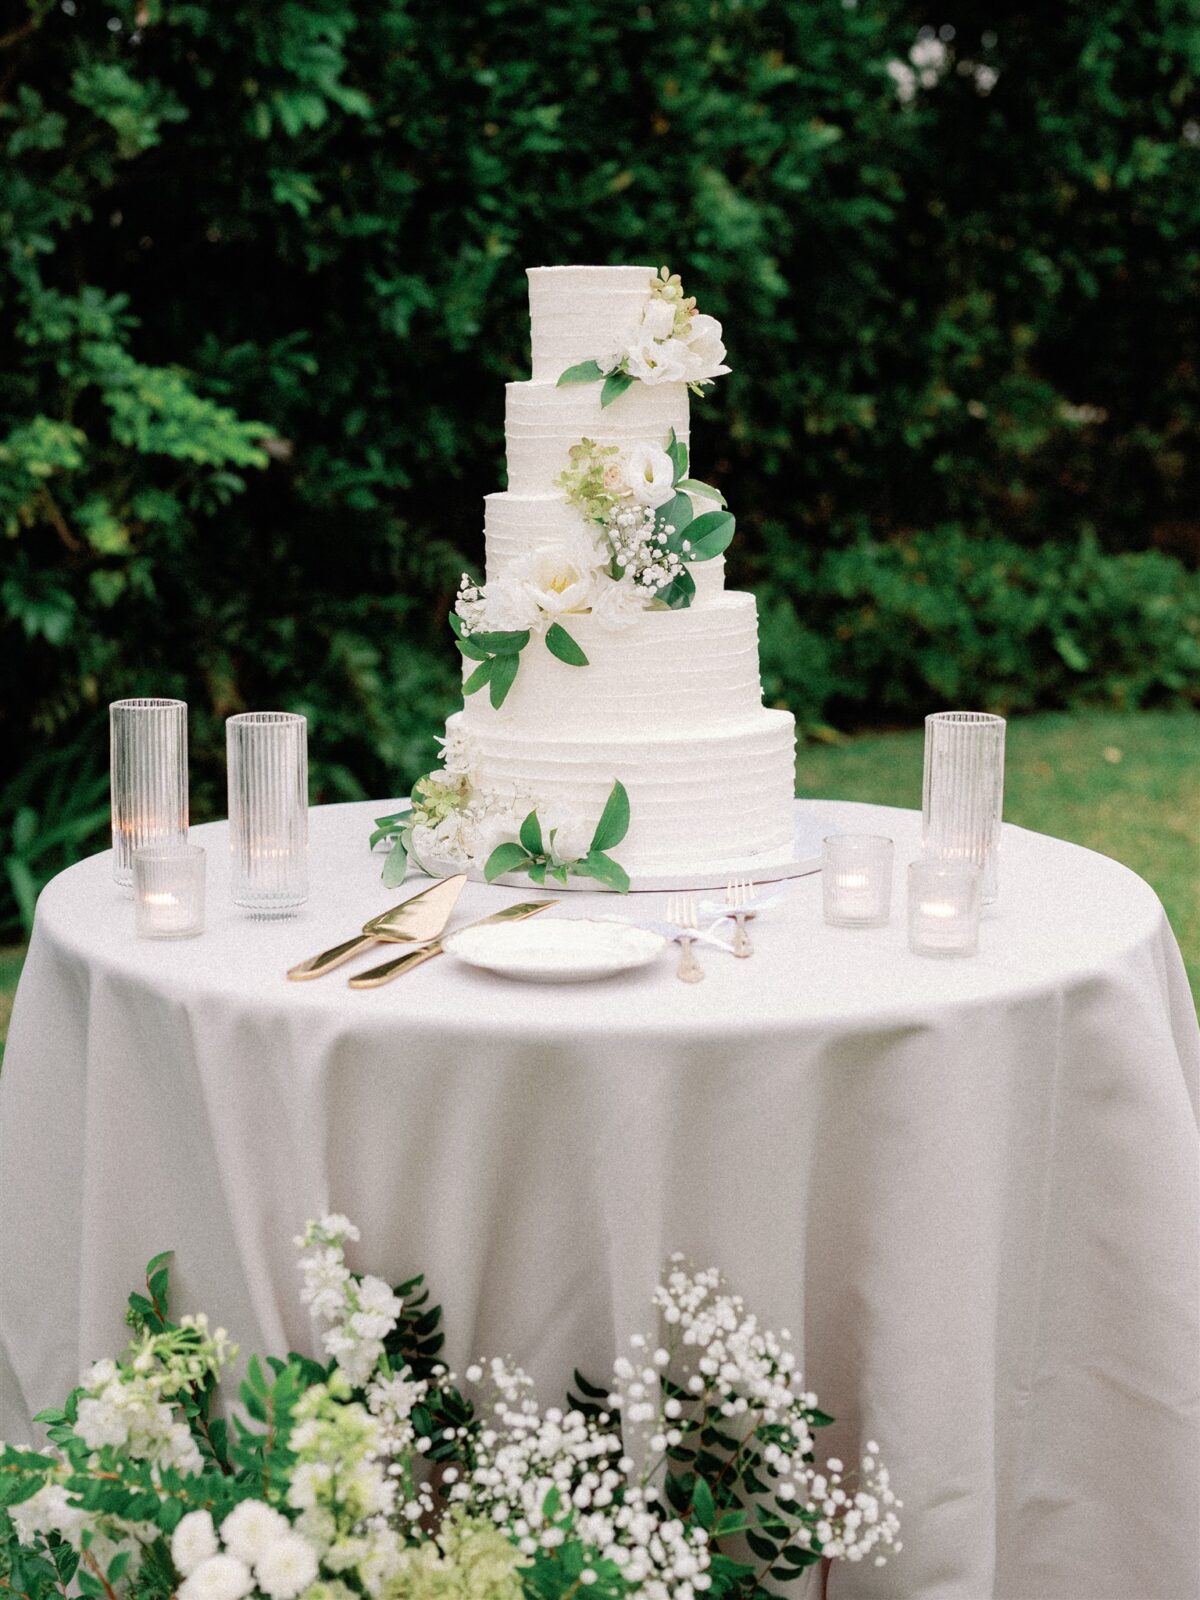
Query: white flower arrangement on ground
(674,343)
(690,1473)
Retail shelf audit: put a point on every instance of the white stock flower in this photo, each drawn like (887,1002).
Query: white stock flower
(220,1577)
(618,603)
(286,1567)
(459,755)
(658,321)
(251,1527)
(659,363)
(650,472)
(194,1540)
(706,350)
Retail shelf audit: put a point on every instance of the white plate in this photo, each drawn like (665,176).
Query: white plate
(559,950)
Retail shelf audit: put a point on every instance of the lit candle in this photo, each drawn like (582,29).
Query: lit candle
(944,901)
(168,891)
(857,871)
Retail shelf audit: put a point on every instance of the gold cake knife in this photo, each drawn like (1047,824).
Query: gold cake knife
(422,916)
(376,977)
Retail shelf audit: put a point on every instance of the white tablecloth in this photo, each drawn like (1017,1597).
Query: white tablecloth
(969,1186)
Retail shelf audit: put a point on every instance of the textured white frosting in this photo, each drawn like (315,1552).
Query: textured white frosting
(696,799)
(542,422)
(670,672)
(515,524)
(583,313)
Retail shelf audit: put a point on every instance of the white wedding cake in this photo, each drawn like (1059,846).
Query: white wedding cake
(613,721)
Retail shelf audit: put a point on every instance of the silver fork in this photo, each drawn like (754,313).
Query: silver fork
(738,892)
(681,911)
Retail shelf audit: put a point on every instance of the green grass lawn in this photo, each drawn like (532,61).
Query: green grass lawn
(1126,784)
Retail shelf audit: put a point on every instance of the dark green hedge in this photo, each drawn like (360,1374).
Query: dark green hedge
(261,280)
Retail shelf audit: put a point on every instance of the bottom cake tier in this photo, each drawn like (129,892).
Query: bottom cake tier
(695,801)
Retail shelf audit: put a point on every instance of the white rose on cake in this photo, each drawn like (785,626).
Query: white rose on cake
(572,835)
(705,350)
(561,578)
(617,603)
(650,471)
(508,606)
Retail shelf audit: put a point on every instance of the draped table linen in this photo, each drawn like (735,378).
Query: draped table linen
(969,1187)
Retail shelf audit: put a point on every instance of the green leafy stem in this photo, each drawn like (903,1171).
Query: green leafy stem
(707,535)
(499,656)
(616,380)
(534,854)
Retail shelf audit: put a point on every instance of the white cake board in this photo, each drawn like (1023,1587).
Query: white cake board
(804,857)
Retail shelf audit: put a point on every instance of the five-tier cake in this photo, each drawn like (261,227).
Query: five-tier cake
(612,712)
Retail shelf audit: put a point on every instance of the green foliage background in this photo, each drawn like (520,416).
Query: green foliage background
(261,282)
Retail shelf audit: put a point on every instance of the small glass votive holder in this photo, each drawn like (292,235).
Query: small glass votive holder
(148,776)
(168,891)
(944,902)
(268,811)
(856,880)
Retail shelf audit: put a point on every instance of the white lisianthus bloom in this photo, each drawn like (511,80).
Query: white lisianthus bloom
(286,1567)
(650,473)
(659,363)
(194,1540)
(706,351)
(220,1577)
(658,321)
(572,835)
(251,1527)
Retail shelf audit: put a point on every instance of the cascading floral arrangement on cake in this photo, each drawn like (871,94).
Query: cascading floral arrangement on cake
(613,723)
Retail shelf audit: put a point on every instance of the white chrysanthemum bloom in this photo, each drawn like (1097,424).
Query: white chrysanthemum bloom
(286,1567)
(650,472)
(194,1540)
(220,1577)
(251,1527)
(652,362)
(658,321)
(706,349)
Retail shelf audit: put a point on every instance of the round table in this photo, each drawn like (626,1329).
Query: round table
(969,1187)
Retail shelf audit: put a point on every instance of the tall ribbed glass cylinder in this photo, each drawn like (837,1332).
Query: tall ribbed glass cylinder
(964,791)
(268,811)
(148,777)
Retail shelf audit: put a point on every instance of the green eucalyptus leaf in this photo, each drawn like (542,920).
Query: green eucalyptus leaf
(694,486)
(677,514)
(504,675)
(615,386)
(604,869)
(473,651)
(395,864)
(505,858)
(614,819)
(710,535)
(481,675)
(502,644)
(560,643)
(537,872)
(678,452)
(584,372)
(703,1504)
(531,835)
(679,593)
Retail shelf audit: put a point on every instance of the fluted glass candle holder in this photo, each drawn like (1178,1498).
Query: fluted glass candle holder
(856,880)
(268,811)
(168,891)
(963,794)
(944,902)
(148,777)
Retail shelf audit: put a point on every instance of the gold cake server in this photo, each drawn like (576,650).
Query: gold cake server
(375,977)
(420,917)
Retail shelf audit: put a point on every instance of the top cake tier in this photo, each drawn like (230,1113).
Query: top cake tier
(583,314)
